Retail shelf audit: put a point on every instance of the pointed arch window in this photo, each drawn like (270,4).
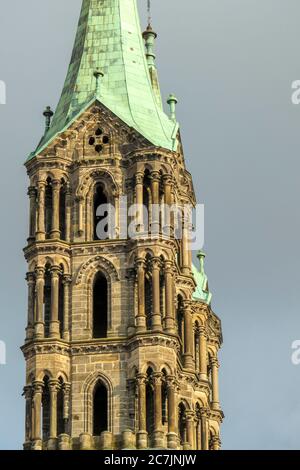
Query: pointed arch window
(101,230)
(100,409)
(149,403)
(48,207)
(62,210)
(100,306)
(46,409)
(180,321)
(182,423)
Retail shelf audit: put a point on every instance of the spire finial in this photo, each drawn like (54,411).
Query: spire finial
(48,113)
(201,257)
(98,75)
(172,101)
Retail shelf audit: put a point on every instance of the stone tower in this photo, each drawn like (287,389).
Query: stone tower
(121,342)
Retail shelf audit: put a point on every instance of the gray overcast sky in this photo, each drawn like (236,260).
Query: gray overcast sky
(231,64)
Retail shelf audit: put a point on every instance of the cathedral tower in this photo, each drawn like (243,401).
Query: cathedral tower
(121,342)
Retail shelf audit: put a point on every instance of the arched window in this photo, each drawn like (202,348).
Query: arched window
(62,210)
(182,423)
(46,410)
(162,290)
(100,306)
(48,207)
(198,426)
(100,409)
(147,201)
(149,403)
(61,303)
(148,300)
(180,321)
(100,228)
(209,373)
(60,408)
(47,300)
(164,398)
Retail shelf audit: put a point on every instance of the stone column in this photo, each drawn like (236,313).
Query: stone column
(185,248)
(204,436)
(168,217)
(141,316)
(28,418)
(189,416)
(197,349)
(40,234)
(203,352)
(32,213)
(30,316)
(188,338)
(155,180)
(172,431)
(216,443)
(37,408)
(170,316)
(156,316)
(215,384)
(54,323)
(68,214)
(198,432)
(158,434)
(66,411)
(142,435)
(80,215)
(39,326)
(55,232)
(67,280)
(53,388)
(139,189)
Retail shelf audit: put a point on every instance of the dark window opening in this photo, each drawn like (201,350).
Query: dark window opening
(60,409)
(46,410)
(62,212)
(61,306)
(105,139)
(100,307)
(99,132)
(98,148)
(148,301)
(48,208)
(47,301)
(100,409)
(99,220)
(150,425)
(182,423)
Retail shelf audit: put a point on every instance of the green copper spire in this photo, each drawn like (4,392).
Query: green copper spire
(202,290)
(109,40)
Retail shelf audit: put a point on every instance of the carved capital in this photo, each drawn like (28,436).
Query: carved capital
(40,272)
(67,279)
(30,278)
(155,176)
(32,192)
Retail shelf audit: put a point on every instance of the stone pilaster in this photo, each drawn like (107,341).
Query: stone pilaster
(30,315)
(55,232)
(156,315)
(40,234)
(39,326)
(54,323)
(32,193)
(142,435)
